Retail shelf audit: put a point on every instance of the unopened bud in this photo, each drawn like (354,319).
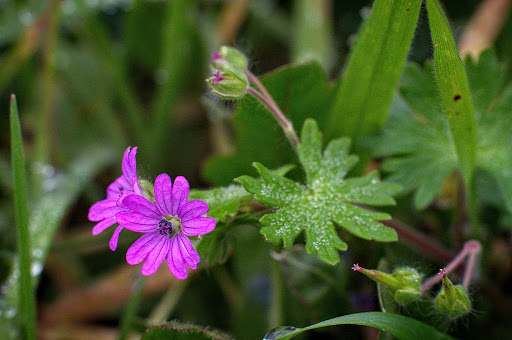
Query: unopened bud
(404,283)
(228,85)
(452,300)
(228,56)
(147,189)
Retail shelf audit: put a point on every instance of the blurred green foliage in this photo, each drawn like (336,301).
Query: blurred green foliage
(94,76)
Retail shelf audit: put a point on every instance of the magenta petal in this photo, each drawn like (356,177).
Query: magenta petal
(122,196)
(163,194)
(180,191)
(115,238)
(192,209)
(103,209)
(140,249)
(137,222)
(188,253)
(136,186)
(125,165)
(101,226)
(142,206)
(175,261)
(156,256)
(198,226)
(117,187)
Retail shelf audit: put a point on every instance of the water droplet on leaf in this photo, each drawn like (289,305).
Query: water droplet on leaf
(279,332)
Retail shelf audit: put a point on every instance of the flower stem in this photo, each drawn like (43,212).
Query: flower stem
(426,245)
(471,248)
(132,308)
(167,303)
(266,99)
(286,125)
(275,316)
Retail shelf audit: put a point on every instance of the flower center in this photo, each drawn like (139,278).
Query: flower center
(169,226)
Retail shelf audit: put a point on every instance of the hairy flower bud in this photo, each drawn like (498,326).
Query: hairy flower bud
(228,85)
(228,79)
(228,55)
(452,300)
(147,189)
(404,283)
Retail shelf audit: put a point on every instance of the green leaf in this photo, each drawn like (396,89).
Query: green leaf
(183,331)
(417,137)
(401,327)
(454,89)
(45,217)
(301,92)
(216,245)
(374,67)
(318,285)
(326,198)
(222,202)
(25,290)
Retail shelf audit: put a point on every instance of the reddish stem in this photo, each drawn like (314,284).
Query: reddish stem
(471,249)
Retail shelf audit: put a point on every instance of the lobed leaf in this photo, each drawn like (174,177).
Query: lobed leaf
(327,198)
(222,202)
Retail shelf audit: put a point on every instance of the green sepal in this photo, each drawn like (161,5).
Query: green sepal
(404,283)
(452,300)
(147,189)
(233,56)
(229,87)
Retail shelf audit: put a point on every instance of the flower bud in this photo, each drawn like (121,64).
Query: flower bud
(228,84)
(147,189)
(228,79)
(230,56)
(404,283)
(452,300)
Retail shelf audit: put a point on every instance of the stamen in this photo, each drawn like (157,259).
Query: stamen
(165,227)
(218,77)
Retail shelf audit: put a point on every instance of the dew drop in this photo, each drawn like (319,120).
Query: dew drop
(279,332)
(36,268)
(11,313)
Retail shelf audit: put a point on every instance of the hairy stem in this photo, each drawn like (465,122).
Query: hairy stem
(286,125)
(271,105)
(471,248)
(421,242)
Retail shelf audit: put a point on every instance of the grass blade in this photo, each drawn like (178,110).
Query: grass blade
(45,217)
(453,87)
(26,295)
(399,326)
(373,70)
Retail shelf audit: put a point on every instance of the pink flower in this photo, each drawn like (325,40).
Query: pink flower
(104,212)
(167,225)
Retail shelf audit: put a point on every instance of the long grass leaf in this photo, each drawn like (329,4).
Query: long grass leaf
(26,302)
(374,67)
(46,215)
(453,87)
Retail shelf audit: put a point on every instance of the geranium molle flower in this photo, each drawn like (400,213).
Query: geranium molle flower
(104,212)
(167,225)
